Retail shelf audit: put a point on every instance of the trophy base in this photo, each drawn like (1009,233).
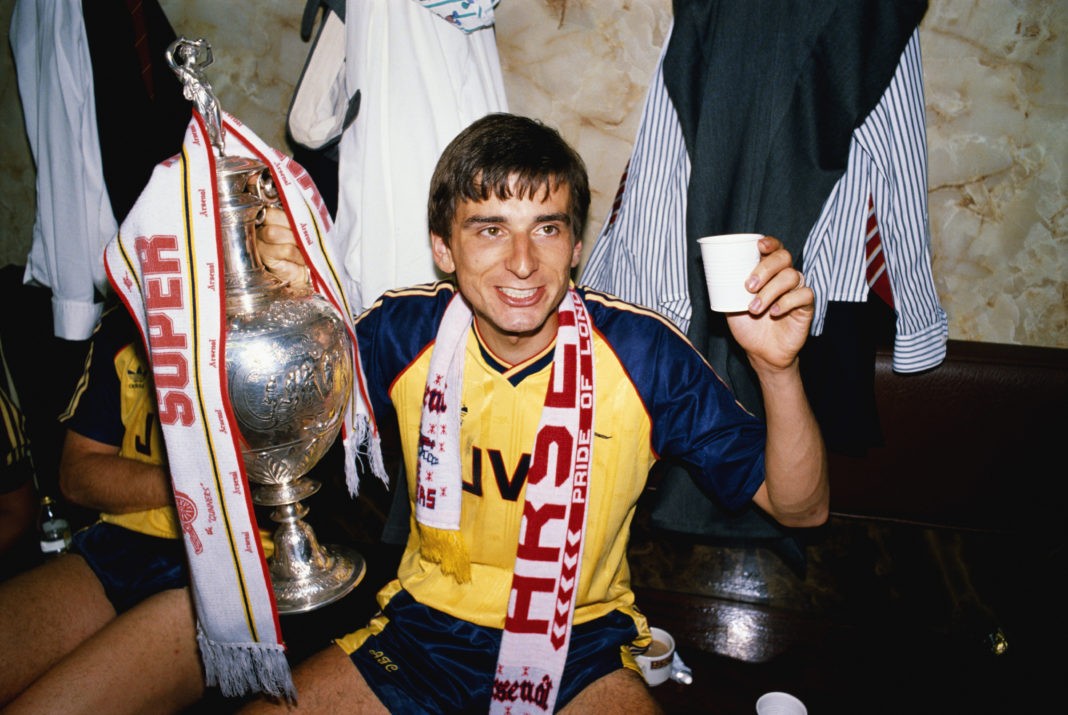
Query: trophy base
(342,568)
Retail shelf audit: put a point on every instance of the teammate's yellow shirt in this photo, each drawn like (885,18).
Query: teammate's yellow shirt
(115,403)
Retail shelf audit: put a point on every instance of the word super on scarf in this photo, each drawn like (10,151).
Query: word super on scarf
(537,629)
(167,266)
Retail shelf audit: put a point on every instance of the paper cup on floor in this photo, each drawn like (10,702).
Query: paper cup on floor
(729,260)
(656,661)
(777,703)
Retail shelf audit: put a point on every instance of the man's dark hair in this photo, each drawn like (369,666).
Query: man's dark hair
(484,158)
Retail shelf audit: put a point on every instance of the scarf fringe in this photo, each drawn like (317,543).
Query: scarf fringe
(447,548)
(241,669)
(362,451)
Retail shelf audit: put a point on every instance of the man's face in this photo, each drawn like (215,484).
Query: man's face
(513,261)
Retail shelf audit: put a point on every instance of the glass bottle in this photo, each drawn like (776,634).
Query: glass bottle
(53,529)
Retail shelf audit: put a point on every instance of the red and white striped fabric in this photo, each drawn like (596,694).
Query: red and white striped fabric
(875,260)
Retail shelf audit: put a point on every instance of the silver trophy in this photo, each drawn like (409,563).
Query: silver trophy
(288,366)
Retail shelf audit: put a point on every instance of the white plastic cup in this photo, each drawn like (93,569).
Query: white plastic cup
(729,260)
(656,661)
(779,703)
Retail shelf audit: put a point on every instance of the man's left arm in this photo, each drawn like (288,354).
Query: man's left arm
(796,489)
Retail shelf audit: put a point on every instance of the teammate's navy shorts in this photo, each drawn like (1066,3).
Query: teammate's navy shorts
(445,665)
(130,565)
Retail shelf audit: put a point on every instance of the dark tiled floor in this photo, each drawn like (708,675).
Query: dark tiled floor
(885,618)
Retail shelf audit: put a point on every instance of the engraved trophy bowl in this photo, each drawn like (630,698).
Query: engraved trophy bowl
(288,369)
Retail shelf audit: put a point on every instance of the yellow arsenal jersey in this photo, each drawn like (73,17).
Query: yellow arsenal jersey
(655,397)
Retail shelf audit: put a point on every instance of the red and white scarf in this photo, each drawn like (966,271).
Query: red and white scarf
(537,627)
(167,266)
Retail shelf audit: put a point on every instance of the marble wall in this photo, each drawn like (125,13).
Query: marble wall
(996,75)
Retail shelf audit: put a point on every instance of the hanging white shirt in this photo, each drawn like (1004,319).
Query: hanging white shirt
(422,79)
(74,219)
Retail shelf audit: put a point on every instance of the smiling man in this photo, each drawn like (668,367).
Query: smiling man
(512,258)
(529,412)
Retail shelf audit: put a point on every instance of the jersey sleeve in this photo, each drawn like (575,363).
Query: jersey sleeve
(15,469)
(95,407)
(391,334)
(695,419)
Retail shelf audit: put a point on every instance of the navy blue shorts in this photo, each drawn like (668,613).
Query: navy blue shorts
(131,566)
(445,665)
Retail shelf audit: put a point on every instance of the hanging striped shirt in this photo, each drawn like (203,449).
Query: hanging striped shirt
(888,162)
(640,253)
